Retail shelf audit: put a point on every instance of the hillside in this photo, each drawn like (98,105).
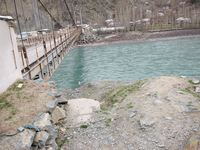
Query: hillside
(97,11)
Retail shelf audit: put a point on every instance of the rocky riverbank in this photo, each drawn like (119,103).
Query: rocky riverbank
(90,39)
(156,113)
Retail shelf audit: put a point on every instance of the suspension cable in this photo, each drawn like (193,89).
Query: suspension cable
(23,15)
(70,14)
(18,23)
(50,14)
(23,47)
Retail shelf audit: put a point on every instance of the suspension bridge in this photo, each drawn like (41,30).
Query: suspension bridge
(46,50)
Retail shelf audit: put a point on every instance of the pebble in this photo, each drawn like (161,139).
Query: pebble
(157,102)
(195,130)
(132,115)
(161,146)
(168,118)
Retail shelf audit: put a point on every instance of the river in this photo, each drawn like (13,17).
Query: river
(129,62)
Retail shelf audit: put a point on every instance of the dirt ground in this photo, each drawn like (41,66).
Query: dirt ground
(20,106)
(155,113)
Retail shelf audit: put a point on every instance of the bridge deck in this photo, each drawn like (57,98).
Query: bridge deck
(43,58)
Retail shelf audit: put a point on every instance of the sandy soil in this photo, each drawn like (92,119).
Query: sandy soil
(20,106)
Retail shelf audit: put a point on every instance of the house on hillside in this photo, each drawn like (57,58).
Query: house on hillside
(182,19)
(109,23)
(160,14)
(144,21)
(148,13)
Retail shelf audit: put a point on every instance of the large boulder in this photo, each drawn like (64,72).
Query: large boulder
(51,105)
(44,122)
(21,141)
(192,143)
(195,81)
(40,139)
(56,93)
(80,111)
(57,114)
(53,131)
(197,89)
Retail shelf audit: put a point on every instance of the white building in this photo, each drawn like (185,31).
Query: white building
(9,58)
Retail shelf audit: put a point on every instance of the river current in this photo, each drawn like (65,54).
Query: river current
(129,62)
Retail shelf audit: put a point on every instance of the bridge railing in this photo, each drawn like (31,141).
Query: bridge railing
(43,58)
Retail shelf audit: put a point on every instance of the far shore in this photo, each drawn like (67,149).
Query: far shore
(136,37)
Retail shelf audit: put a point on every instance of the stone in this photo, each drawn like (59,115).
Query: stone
(56,93)
(42,148)
(21,141)
(44,122)
(34,147)
(20,129)
(80,111)
(184,77)
(54,146)
(184,108)
(168,118)
(197,89)
(191,143)
(62,129)
(195,81)
(53,131)
(157,102)
(57,114)
(51,105)
(40,139)
(20,85)
(147,122)
(161,146)
(191,108)
(50,148)
(62,100)
(132,115)
(195,130)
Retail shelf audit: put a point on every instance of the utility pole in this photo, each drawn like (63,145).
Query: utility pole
(81,17)
(75,16)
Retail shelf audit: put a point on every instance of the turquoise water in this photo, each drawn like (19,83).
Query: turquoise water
(129,62)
